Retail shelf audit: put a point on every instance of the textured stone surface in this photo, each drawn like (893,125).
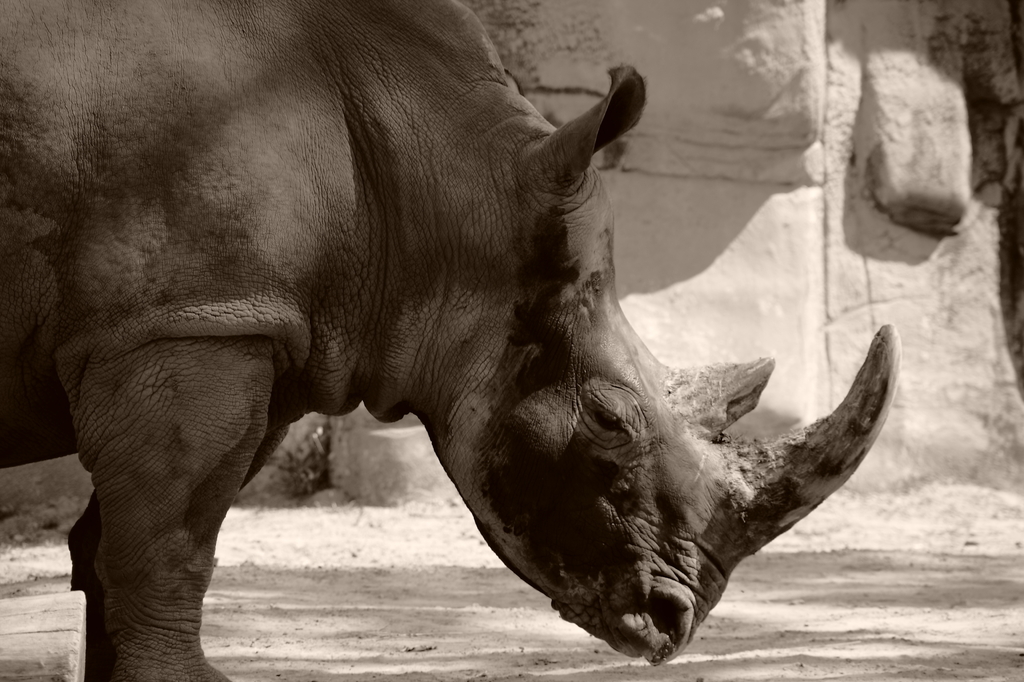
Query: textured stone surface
(737,85)
(922,63)
(387,466)
(759,297)
(958,413)
(912,144)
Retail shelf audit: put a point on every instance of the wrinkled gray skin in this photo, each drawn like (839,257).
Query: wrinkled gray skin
(216,218)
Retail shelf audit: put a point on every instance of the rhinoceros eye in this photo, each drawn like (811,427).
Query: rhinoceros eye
(610,415)
(606,420)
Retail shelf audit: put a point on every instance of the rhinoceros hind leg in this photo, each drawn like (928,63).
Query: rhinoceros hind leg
(83,541)
(169,431)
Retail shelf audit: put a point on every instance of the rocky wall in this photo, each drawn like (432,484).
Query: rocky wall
(919,102)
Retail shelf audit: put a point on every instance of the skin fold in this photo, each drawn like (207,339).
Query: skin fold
(216,217)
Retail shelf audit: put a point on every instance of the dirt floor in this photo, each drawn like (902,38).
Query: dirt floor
(927,585)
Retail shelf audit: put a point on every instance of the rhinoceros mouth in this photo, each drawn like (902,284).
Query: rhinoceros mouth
(658,629)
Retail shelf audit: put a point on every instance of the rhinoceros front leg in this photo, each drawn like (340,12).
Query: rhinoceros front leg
(83,542)
(169,432)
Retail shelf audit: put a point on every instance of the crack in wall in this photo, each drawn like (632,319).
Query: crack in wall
(870,304)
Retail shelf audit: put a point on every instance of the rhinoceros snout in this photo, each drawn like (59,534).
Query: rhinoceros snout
(657,629)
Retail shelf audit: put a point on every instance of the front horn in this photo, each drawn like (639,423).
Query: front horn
(792,475)
(773,484)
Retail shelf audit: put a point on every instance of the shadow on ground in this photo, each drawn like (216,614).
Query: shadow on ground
(860,616)
(855,615)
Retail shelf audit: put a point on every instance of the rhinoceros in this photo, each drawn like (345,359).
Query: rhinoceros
(218,216)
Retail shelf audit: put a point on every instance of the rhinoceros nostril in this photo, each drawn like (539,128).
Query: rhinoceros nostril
(672,616)
(665,616)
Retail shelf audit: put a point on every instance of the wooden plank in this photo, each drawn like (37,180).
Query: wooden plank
(41,613)
(42,638)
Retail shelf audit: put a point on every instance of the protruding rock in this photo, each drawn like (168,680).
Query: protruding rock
(387,466)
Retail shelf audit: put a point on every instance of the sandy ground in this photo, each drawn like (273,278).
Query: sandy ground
(927,585)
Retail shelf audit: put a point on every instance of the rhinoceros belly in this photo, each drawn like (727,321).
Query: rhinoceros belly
(35,420)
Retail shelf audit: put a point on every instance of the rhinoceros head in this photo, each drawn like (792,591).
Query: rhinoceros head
(603,478)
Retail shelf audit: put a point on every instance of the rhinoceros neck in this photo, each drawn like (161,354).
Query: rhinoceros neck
(443,230)
(434,137)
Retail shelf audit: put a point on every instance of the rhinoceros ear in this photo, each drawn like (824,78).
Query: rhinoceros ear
(567,152)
